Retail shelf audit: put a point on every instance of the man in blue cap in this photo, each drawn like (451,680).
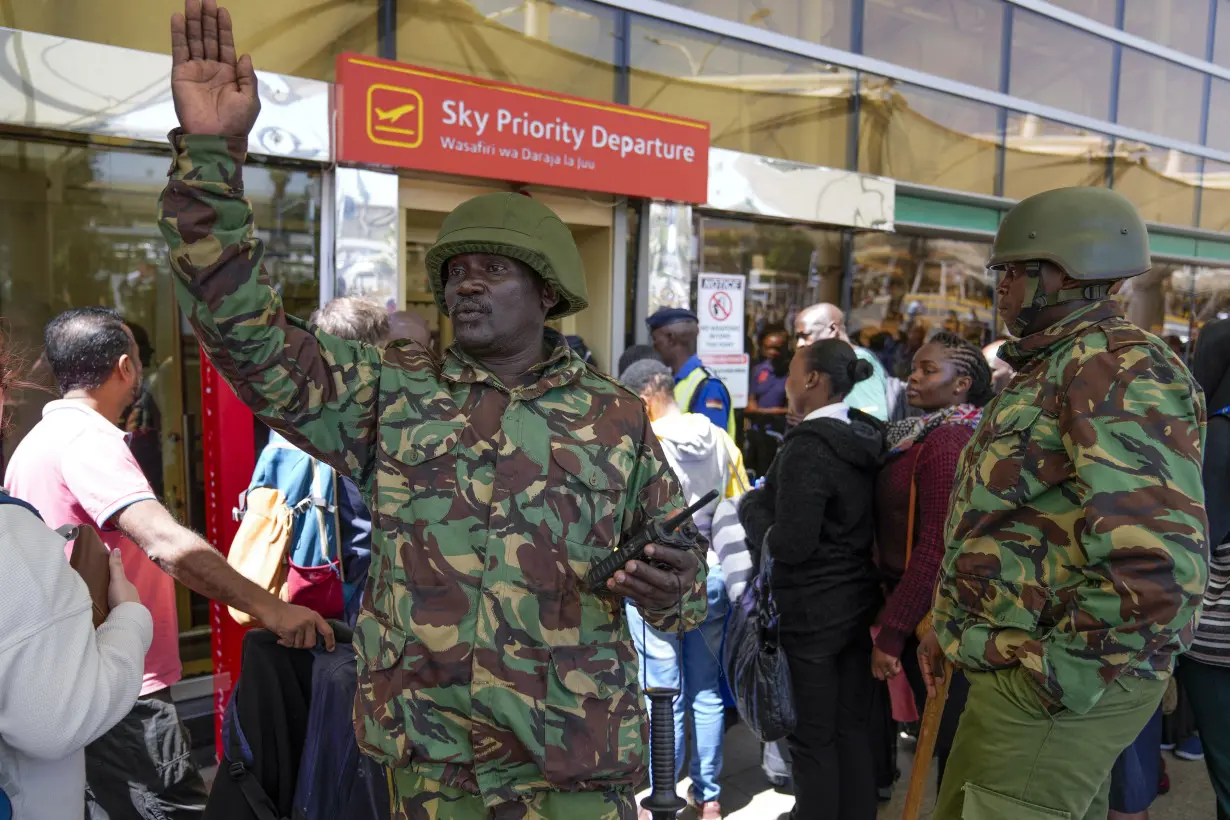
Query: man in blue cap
(697,389)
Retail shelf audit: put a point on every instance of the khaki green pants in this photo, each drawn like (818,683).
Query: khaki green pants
(1012,758)
(414,797)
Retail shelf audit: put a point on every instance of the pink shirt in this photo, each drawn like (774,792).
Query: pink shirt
(75,468)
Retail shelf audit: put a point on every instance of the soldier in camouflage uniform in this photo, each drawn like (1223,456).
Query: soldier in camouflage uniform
(491,682)
(1076,555)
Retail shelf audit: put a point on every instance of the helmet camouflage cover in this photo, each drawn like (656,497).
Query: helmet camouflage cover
(521,228)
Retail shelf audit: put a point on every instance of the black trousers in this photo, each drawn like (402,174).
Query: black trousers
(832,746)
(142,768)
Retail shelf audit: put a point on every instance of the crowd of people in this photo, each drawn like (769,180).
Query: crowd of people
(1017,535)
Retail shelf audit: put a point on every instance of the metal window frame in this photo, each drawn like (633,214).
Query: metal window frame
(672,14)
(1117,35)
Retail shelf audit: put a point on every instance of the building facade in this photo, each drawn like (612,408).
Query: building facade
(862,152)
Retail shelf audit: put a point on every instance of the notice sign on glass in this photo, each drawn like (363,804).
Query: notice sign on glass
(720,303)
(411,117)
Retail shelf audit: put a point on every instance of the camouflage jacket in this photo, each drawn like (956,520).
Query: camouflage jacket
(483,662)
(1076,539)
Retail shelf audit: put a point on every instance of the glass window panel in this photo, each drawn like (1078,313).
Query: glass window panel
(958,39)
(1219,114)
(1210,298)
(77,229)
(757,101)
(1042,155)
(1161,183)
(923,136)
(1160,301)
(821,21)
(788,267)
(1215,197)
(1221,37)
(908,286)
(1159,96)
(1056,64)
(1180,24)
(1101,10)
(565,46)
(297,37)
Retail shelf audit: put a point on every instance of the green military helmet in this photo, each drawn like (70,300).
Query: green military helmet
(1094,234)
(512,225)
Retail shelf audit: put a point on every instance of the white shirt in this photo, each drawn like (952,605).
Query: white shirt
(64,683)
(839,411)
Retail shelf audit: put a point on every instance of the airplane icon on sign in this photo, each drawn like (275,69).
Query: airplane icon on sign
(394,116)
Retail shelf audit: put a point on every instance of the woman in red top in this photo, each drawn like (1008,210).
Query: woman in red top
(950,382)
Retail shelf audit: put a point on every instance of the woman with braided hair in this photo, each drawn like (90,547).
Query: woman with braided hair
(950,381)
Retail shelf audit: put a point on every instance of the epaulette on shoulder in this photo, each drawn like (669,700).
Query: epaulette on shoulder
(1121,333)
(403,352)
(609,379)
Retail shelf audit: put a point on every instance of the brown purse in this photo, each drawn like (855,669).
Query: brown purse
(92,561)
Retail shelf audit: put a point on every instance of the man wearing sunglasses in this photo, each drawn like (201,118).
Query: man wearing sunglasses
(1076,537)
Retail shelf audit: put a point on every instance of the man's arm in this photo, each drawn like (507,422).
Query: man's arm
(1133,427)
(187,558)
(318,391)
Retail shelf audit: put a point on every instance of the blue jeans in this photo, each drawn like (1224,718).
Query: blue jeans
(701,689)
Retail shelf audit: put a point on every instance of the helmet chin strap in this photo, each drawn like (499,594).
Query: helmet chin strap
(1036,299)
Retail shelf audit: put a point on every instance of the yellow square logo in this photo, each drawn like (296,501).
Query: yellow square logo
(394,116)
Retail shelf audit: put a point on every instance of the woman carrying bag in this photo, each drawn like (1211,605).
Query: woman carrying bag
(814,517)
(950,382)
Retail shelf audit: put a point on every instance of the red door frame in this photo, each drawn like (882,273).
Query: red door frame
(229,458)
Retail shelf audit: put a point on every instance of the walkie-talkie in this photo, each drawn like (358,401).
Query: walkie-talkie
(678,532)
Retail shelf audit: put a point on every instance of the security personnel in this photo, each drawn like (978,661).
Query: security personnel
(697,389)
(1076,537)
(492,683)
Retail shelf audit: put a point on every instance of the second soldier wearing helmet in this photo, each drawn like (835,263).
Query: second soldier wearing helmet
(1076,539)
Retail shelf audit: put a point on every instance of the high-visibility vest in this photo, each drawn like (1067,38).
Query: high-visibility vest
(685,393)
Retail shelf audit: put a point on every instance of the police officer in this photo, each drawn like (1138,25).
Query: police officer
(697,390)
(1076,538)
(492,682)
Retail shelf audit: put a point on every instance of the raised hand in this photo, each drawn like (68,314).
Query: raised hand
(214,93)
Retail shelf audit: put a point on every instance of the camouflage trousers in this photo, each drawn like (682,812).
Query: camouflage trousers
(414,797)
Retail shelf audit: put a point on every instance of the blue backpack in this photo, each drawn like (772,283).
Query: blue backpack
(289,536)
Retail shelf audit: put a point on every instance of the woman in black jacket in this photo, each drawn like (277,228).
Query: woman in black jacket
(814,515)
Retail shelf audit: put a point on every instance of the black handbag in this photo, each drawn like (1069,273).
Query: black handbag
(754,661)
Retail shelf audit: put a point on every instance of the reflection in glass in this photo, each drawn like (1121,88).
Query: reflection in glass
(1182,26)
(565,46)
(366,243)
(909,286)
(957,39)
(1215,197)
(1219,111)
(788,267)
(819,21)
(1102,11)
(1159,96)
(926,137)
(1041,155)
(756,101)
(1221,37)
(1161,183)
(670,256)
(77,228)
(1059,65)
(297,37)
